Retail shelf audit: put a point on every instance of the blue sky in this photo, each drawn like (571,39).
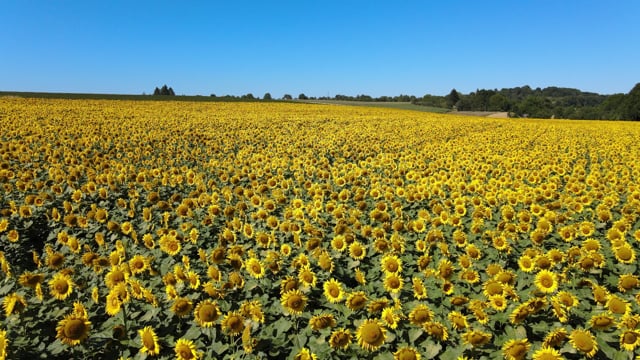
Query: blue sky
(320,48)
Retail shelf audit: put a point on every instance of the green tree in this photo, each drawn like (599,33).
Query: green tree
(498,102)
(631,107)
(267,96)
(302,97)
(452,98)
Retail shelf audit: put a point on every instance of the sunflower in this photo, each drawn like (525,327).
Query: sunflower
(546,281)
(627,282)
(149,341)
(322,321)
(555,338)
(390,264)
(169,244)
(307,277)
(357,251)
(630,339)
(419,290)
(393,283)
(356,300)
(206,313)
(294,301)
(185,350)
(60,286)
(617,305)
(233,323)
(420,315)
(436,330)
(516,349)
(13,304)
(333,291)
(583,341)
(476,338)
(526,264)
(255,268)
(601,321)
(338,243)
(406,353)
(113,303)
(498,302)
(547,353)
(360,277)
(73,329)
(181,306)
(340,339)
(305,354)
(3,344)
(371,335)
(115,276)
(624,253)
(458,320)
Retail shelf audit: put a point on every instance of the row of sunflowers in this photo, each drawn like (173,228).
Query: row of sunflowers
(284,230)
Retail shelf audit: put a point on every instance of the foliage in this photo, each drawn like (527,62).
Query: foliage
(282,230)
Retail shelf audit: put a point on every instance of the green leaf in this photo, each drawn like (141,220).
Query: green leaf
(193,333)
(432,349)
(414,334)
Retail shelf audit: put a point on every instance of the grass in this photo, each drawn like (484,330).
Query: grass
(393,105)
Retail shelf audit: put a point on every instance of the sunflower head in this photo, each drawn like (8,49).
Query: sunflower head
(149,341)
(371,335)
(583,341)
(206,313)
(406,353)
(516,349)
(294,301)
(185,350)
(73,329)
(340,339)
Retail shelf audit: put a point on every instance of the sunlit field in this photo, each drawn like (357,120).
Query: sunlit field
(187,230)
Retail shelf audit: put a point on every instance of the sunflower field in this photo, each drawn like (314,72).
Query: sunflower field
(161,230)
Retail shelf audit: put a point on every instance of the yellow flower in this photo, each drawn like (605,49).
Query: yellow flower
(356,300)
(583,341)
(306,276)
(73,329)
(625,253)
(390,264)
(458,320)
(371,335)
(476,338)
(389,317)
(393,283)
(498,302)
(406,353)
(547,353)
(516,349)
(185,350)
(4,343)
(294,301)
(149,341)
(322,321)
(206,313)
(254,268)
(13,304)
(436,330)
(333,291)
(357,251)
(340,339)
(60,286)
(181,306)
(305,354)
(602,321)
(546,281)
(420,314)
(630,339)
(233,323)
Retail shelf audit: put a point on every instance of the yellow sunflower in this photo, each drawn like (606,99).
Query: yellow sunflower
(322,321)
(255,268)
(206,313)
(357,251)
(516,349)
(498,302)
(420,315)
(340,339)
(73,329)
(333,291)
(13,304)
(436,330)
(406,353)
(305,354)
(458,320)
(602,321)
(419,290)
(307,277)
(356,300)
(393,283)
(625,253)
(583,341)
(294,301)
(233,323)
(390,264)
(617,305)
(476,338)
(371,335)
(60,286)
(181,306)
(547,353)
(630,339)
(4,343)
(389,317)
(149,341)
(546,281)
(185,350)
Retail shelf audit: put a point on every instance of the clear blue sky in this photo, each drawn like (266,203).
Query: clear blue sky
(318,47)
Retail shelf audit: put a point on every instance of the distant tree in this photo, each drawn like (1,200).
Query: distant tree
(287,97)
(156,91)
(267,96)
(631,106)
(171,93)
(302,97)
(248,96)
(452,98)
(498,102)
